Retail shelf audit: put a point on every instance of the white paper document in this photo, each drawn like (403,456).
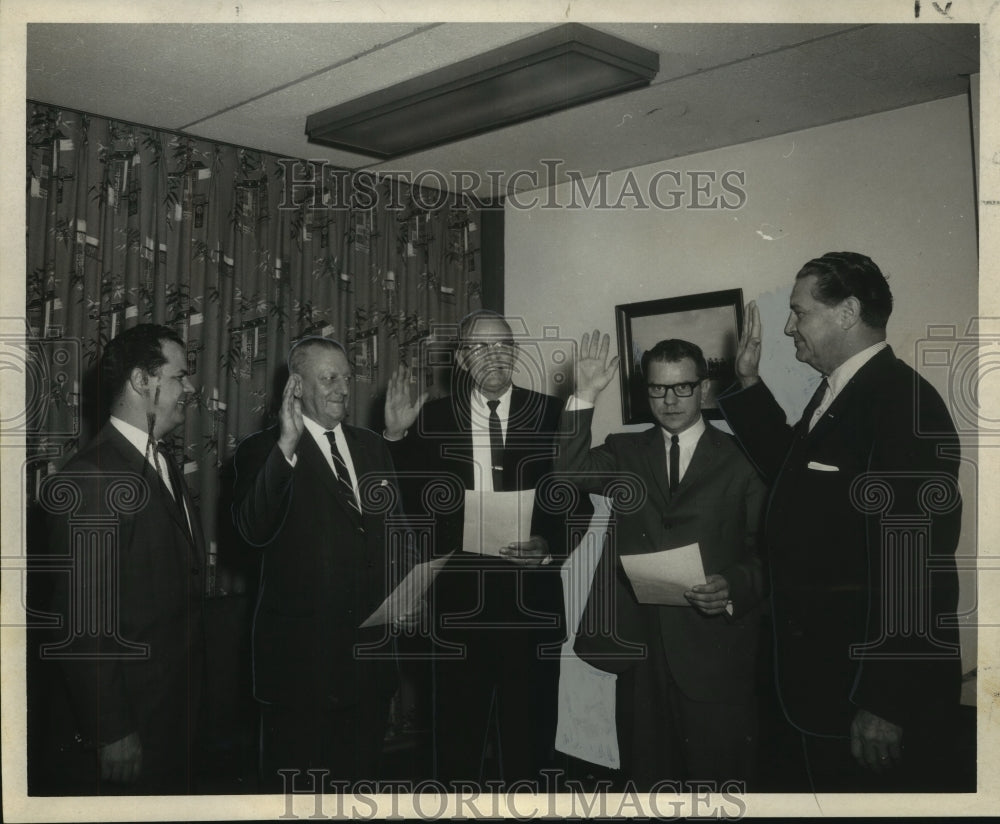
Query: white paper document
(586,726)
(496,519)
(663,577)
(404,599)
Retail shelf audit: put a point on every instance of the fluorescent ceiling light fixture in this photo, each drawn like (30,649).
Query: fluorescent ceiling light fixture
(548,72)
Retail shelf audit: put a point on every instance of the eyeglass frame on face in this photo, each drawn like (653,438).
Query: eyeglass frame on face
(653,389)
(479,347)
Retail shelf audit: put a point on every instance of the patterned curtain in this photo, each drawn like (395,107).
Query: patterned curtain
(128,224)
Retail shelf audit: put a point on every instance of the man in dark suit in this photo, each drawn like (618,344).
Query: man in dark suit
(861,531)
(132,643)
(685,699)
(313,492)
(497,621)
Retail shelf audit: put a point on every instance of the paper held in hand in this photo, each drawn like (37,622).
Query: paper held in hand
(663,577)
(496,519)
(405,598)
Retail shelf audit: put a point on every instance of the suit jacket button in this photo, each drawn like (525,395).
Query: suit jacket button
(667,523)
(195,571)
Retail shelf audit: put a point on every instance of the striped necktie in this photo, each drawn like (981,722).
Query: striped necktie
(343,476)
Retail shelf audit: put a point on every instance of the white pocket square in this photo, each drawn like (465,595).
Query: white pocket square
(822,467)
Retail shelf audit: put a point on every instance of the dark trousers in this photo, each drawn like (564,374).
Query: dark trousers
(496,667)
(501,692)
(343,744)
(665,735)
(170,735)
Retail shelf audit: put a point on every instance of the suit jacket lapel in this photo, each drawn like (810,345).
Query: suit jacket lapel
(458,442)
(515,425)
(176,515)
(359,457)
(858,385)
(128,454)
(516,422)
(195,532)
(309,452)
(137,463)
(706,455)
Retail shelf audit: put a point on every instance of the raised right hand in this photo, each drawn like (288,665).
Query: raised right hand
(290,416)
(748,353)
(593,370)
(400,413)
(121,760)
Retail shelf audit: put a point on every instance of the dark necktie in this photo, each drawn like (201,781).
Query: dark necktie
(814,402)
(675,463)
(496,446)
(343,476)
(176,481)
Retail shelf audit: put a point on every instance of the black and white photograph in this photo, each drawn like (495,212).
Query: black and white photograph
(352,353)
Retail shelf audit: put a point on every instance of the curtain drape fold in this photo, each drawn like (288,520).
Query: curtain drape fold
(129,224)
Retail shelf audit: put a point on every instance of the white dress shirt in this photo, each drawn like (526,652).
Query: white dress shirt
(686,443)
(146,447)
(319,435)
(841,376)
(686,440)
(482,453)
(140,440)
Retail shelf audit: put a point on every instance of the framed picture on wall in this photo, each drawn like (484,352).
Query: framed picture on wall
(713,320)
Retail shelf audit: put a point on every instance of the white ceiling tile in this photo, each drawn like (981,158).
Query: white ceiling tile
(719,84)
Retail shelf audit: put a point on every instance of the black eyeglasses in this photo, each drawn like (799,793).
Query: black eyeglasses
(489,346)
(685,389)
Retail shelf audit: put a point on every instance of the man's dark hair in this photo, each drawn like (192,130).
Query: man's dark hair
(674,350)
(300,349)
(841,275)
(139,347)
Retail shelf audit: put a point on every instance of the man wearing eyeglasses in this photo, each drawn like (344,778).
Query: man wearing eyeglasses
(685,705)
(502,617)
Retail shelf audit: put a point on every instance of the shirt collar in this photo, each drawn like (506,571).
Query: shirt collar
(319,432)
(841,376)
(479,403)
(690,436)
(132,433)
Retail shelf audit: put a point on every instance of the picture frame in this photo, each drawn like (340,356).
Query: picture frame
(712,320)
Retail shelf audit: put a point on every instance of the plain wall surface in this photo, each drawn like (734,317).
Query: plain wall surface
(897,186)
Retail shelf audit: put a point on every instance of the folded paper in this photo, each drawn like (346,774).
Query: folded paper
(495,519)
(586,726)
(663,577)
(405,598)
